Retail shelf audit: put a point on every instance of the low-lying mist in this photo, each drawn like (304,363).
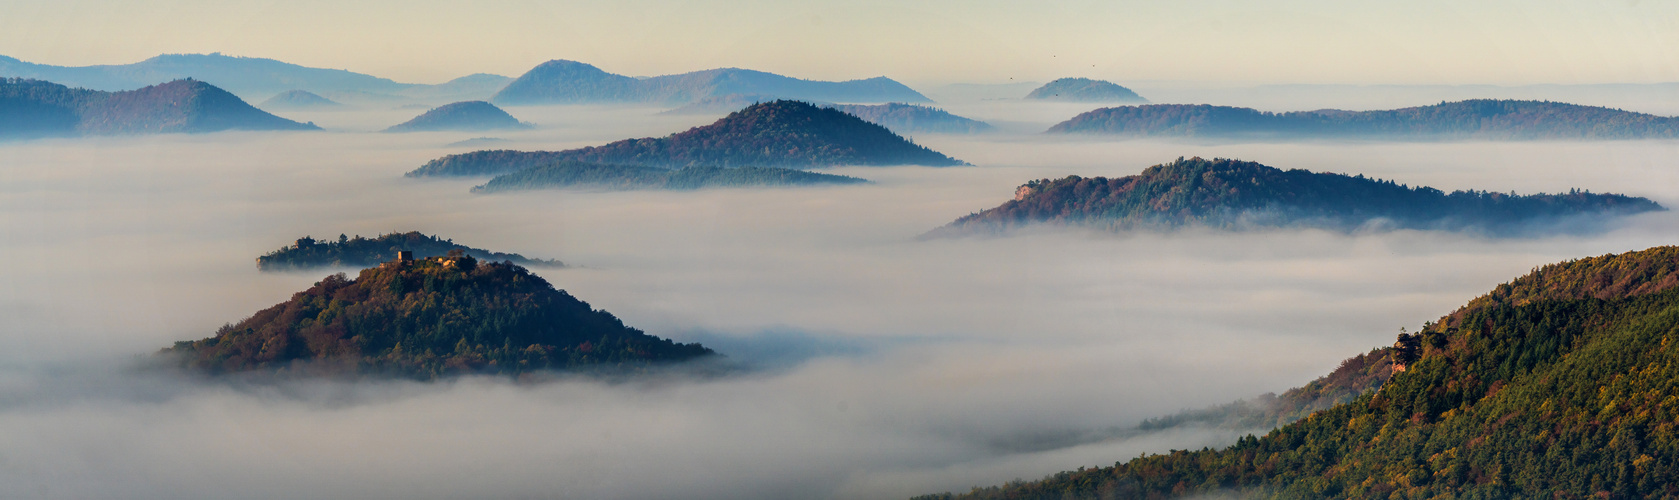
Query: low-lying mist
(882,366)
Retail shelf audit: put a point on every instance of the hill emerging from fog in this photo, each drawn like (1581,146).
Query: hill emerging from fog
(1237,195)
(298,99)
(34,108)
(572,174)
(310,253)
(1559,384)
(1084,90)
(908,118)
(466,115)
(788,134)
(571,82)
(428,319)
(898,117)
(1484,119)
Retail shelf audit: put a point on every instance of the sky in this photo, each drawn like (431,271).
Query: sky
(1505,42)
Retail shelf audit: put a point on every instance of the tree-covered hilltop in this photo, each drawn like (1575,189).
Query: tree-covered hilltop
(1570,393)
(1474,119)
(464,115)
(782,133)
(632,177)
(1084,90)
(34,108)
(426,319)
(1234,195)
(572,82)
(310,253)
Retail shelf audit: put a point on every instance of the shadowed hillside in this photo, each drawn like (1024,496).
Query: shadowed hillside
(1084,90)
(347,251)
(568,174)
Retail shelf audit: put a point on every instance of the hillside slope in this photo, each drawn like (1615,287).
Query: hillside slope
(1237,195)
(568,174)
(356,251)
(1572,393)
(788,134)
(427,319)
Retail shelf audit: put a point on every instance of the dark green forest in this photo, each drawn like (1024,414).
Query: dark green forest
(631,177)
(1561,384)
(356,251)
(1487,119)
(783,133)
(427,319)
(1234,195)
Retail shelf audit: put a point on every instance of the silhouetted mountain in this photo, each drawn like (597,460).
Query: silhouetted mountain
(469,115)
(571,82)
(427,319)
(1235,195)
(773,134)
(251,77)
(907,118)
(1474,119)
(298,99)
(1559,384)
(1084,90)
(631,177)
(357,251)
(33,108)
(721,104)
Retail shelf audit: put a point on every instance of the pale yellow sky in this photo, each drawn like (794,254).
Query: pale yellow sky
(918,42)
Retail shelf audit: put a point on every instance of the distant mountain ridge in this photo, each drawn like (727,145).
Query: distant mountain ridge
(1084,90)
(1472,119)
(783,133)
(251,77)
(466,115)
(571,82)
(1235,195)
(34,108)
(896,116)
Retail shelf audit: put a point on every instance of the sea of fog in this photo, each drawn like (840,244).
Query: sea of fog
(878,365)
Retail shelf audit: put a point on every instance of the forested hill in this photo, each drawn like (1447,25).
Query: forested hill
(298,99)
(464,115)
(34,108)
(1474,119)
(1573,393)
(573,174)
(1084,90)
(427,319)
(780,133)
(1236,195)
(572,82)
(347,251)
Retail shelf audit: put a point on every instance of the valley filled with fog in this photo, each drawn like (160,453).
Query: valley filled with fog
(873,364)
